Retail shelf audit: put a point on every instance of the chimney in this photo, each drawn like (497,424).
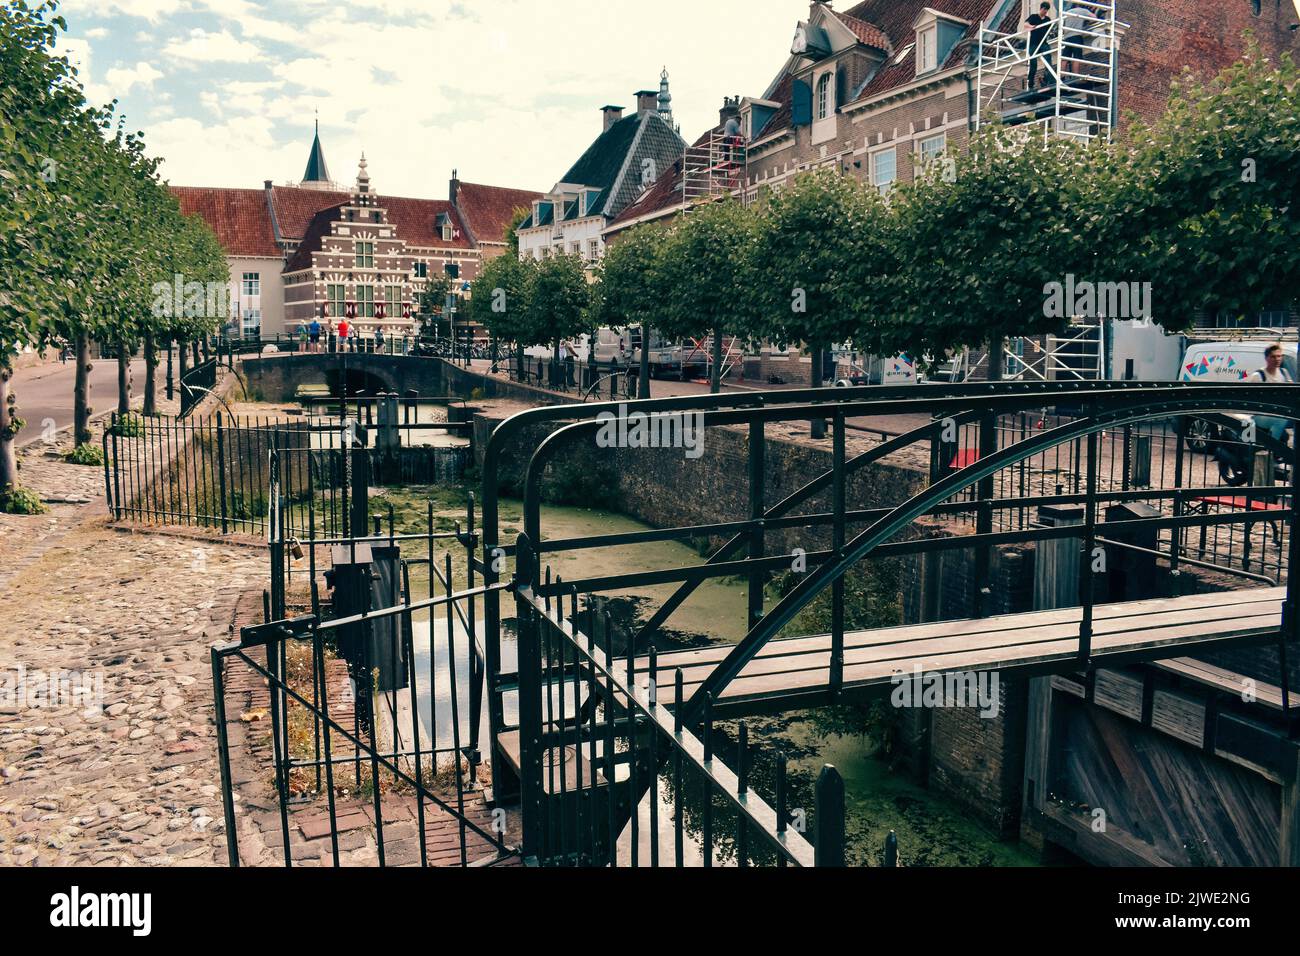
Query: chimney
(730,110)
(647,101)
(453,188)
(611,114)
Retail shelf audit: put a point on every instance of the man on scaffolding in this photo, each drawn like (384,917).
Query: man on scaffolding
(1039,26)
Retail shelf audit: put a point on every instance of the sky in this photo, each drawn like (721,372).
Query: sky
(506,91)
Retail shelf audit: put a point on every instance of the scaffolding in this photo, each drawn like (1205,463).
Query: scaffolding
(1077,57)
(713,168)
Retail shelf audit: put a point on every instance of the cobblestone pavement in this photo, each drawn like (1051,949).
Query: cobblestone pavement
(131,778)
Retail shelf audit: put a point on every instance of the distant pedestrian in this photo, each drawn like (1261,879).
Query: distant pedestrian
(345,328)
(1274,372)
(1039,25)
(313,335)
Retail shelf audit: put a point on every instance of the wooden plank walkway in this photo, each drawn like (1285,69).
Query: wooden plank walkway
(1037,642)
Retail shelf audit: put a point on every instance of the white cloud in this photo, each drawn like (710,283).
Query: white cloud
(121,80)
(506,91)
(201,46)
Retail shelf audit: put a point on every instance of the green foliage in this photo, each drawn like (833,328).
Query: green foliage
(86,454)
(128,426)
(498,298)
(21,501)
(1206,203)
(630,281)
(821,247)
(708,272)
(556,302)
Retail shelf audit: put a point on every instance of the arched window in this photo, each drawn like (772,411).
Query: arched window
(824,96)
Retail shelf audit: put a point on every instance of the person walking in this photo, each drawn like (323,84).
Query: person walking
(345,328)
(1274,372)
(313,335)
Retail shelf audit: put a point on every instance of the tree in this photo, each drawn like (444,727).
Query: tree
(41,109)
(818,242)
(498,299)
(709,270)
(980,238)
(556,302)
(628,289)
(1206,204)
(432,298)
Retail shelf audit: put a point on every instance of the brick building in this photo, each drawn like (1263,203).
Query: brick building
(318,250)
(629,156)
(886,85)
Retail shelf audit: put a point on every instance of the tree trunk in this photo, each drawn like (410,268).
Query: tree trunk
(8,434)
(643,377)
(183,359)
(996,360)
(715,374)
(197,361)
(81,410)
(123,380)
(207,349)
(150,375)
(815,372)
(521,374)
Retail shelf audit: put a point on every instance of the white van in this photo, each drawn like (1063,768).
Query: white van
(1217,362)
(611,345)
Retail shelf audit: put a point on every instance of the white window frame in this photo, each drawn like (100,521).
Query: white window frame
(875,159)
(927,48)
(251,285)
(921,158)
(824,95)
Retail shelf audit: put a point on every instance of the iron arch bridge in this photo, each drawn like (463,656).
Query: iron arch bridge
(600,740)
(1113,457)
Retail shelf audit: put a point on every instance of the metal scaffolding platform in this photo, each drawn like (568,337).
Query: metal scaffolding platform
(713,168)
(1077,59)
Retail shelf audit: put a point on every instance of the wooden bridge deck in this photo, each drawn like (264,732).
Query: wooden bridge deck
(794,671)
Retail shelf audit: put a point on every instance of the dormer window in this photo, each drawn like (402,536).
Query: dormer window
(824,104)
(927,49)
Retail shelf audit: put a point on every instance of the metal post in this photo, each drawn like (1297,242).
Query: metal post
(1089,544)
(530,704)
(757,494)
(988,435)
(221,472)
(837,544)
(829,842)
(223,760)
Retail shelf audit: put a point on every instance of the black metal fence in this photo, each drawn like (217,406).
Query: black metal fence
(214,472)
(197,383)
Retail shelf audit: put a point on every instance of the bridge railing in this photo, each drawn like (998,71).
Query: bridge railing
(931,483)
(610,776)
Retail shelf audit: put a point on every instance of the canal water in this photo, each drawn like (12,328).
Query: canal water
(931,830)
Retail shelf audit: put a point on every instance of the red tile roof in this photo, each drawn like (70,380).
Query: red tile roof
(294,207)
(868,33)
(895,18)
(238,217)
(416,222)
(487,210)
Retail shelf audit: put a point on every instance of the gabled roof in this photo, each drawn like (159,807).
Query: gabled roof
(487,210)
(416,222)
(608,165)
(895,18)
(294,207)
(867,33)
(599,166)
(238,217)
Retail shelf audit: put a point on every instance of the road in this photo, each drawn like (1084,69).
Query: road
(44,393)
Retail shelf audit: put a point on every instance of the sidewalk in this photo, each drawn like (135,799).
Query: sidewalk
(128,773)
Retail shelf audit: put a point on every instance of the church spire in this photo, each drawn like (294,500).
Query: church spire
(317,174)
(665,98)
